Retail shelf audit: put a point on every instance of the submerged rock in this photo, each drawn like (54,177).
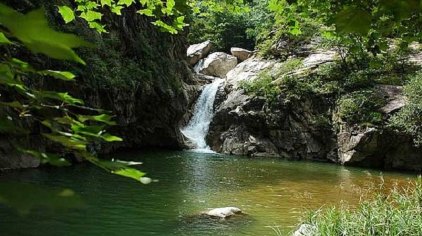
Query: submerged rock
(240,53)
(216,64)
(223,212)
(198,51)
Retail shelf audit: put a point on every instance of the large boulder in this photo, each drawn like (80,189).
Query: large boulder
(198,51)
(379,146)
(216,64)
(240,53)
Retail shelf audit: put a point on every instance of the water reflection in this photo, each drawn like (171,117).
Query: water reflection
(273,193)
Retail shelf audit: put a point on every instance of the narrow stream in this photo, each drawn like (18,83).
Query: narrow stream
(273,193)
(197,128)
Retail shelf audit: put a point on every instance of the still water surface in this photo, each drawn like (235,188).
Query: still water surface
(273,193)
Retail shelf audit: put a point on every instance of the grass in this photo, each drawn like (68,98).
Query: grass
(398,212)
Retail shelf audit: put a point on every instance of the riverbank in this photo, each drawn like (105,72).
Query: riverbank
(388,212)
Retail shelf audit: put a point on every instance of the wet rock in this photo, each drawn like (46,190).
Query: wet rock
(223,212)
(216,64)
(198,51)
(240,53)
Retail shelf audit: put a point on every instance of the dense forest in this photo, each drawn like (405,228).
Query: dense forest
(216,99)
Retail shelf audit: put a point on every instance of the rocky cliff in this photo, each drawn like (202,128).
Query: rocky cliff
(134,70)
(303,125)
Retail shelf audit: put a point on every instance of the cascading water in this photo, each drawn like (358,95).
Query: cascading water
(197,128)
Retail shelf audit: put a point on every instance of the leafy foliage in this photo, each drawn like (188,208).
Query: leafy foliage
(225,23)
(409,118)
(168,15)
(63,119)
(360,107)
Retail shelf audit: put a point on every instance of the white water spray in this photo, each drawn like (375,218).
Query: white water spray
(197,128)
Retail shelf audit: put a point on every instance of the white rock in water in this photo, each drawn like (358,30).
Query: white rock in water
(223,212)
(216,64)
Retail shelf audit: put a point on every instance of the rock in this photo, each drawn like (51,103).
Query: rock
(247,71)
(223,212)
(377,148)
(318,58)
(240,53)
(12,159)
(245,124)
(216,64)
(305,230)
(206,78)
(198,51)
(394,97)
(349,145)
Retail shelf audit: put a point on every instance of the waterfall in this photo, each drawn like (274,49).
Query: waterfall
(197,128)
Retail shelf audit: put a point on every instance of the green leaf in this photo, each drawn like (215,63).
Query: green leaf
(33,31)
(104,118)
(146,12)
(353,20)
(62,75)
(4,39)
(67,14)
(130,173)
(91,15)
(52,159)
(125,2)
(111,138)
(97,26)
(165,27)
(105,3)
(68,142)
(116,10)
(65,97)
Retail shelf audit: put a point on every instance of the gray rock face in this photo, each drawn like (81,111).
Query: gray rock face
(245,124)
(394,96)
(240,53)
(378,148)
(216,64)
(11,159)
(198,51)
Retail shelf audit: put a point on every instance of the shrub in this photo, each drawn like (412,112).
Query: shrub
(360,107)
(396,213)
(409,118)
(265,85)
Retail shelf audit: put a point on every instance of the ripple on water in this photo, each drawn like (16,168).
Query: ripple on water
(274,194)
